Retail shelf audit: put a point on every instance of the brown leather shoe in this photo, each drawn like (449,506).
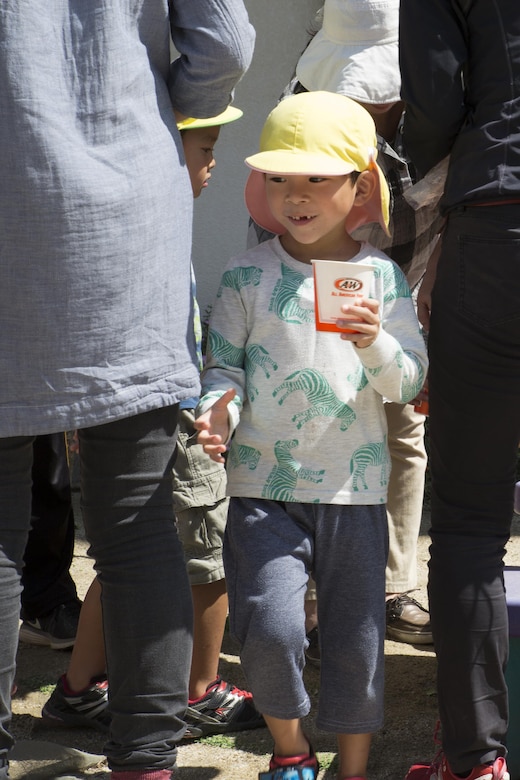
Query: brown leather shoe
(408,621)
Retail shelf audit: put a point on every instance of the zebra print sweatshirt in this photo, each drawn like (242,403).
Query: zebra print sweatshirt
(308,420)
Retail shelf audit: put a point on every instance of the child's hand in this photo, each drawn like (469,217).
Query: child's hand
(364,317)
(213,427)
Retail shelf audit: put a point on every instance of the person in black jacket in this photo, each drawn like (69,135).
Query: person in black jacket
(460,63)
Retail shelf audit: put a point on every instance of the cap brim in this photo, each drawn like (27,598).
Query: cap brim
(229,115)
(293,163)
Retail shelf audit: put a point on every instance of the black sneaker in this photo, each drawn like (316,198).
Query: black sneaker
(87,709)
(57,629)
(223,708)
(408,621)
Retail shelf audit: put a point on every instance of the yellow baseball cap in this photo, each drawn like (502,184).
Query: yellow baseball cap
(317,134)
(229,115)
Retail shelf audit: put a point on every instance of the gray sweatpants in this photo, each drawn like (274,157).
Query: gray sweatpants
(270,548)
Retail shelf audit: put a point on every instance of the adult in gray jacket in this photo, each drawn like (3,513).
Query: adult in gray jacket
(95,330)
(460,62)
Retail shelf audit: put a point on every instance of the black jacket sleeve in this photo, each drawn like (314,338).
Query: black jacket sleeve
(433,55)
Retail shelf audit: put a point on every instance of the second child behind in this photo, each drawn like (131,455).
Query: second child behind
(199,499)
(308,461)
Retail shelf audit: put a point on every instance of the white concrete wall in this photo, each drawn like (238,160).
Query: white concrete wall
(220,221)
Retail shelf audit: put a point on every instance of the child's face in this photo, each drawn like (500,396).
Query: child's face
(198,150)
(311,208)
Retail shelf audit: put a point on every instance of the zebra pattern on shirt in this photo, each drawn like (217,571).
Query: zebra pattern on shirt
(284,477)
(372,454)
(317,390)
(237,278)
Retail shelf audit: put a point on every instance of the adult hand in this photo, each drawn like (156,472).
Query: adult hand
(424,296)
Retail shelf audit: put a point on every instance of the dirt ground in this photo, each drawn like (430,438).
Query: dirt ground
(411,705)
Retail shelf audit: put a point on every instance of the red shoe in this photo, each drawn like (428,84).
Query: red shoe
(440,770)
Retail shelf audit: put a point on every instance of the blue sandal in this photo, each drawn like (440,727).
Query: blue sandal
(290,773)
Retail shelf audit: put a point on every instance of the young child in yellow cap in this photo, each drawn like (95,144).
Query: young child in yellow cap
(302,413)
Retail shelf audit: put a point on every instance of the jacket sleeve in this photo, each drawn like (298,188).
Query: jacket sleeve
(433,54)
(215,41)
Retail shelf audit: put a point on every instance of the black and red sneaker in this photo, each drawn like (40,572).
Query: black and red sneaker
(223,708)
(86,709)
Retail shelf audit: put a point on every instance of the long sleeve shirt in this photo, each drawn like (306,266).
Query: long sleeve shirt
(308,418)
(96,204)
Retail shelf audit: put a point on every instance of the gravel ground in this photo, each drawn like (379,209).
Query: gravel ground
(411,707)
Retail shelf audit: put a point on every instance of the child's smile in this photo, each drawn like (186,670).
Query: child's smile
(303,220)
(312,209)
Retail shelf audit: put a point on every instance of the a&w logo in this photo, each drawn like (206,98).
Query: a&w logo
(348,285)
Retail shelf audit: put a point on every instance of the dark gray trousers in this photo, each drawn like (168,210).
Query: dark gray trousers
(474,383)
(270,548)
(126,490)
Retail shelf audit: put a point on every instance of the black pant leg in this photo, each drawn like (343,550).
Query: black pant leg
(46,579)
(474,383)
